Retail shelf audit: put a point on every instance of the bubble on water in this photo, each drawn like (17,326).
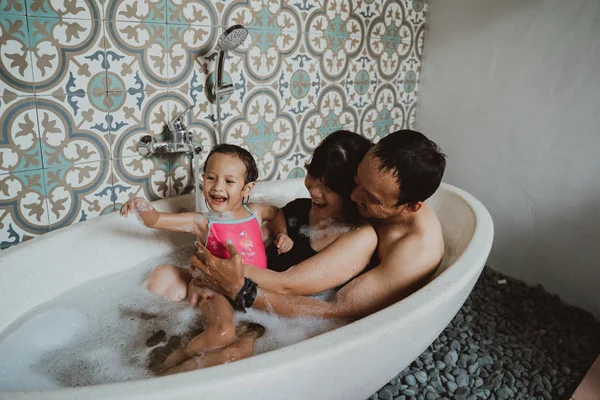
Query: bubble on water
(325,228)
(109,329)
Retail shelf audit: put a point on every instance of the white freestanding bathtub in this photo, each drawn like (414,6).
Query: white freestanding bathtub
(351,362)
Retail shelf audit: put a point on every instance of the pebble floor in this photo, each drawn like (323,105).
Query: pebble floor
(508,341)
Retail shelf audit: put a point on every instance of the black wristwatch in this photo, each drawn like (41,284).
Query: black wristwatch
(246,296)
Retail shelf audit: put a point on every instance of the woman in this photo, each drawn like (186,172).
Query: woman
(331,244)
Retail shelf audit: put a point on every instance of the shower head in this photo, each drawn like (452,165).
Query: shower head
(232,38)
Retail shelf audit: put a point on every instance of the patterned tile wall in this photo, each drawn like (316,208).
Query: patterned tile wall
(82,80)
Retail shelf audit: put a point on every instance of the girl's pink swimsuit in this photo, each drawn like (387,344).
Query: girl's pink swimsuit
(245,234)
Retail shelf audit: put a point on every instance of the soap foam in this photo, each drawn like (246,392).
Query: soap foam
(108,329)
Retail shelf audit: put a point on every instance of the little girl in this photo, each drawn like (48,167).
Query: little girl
(229,176)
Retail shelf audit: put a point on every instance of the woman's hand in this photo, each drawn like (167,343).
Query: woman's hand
(283,243)
(225,276)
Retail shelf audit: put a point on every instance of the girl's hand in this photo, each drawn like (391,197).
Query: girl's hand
(283,243)
(135,205)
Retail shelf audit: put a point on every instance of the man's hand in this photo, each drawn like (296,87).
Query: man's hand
(283,243)
(227,274)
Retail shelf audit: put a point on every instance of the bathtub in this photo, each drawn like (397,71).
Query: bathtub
(351,362)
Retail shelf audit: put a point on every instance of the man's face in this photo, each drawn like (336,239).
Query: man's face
(376,192)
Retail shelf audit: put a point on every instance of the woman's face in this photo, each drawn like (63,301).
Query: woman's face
(325,202)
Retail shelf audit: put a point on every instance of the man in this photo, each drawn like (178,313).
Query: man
(392,183)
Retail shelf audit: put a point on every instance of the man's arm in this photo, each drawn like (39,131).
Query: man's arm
(336,264)
(406,268)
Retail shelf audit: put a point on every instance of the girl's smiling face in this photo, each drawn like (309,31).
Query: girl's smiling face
(224,182)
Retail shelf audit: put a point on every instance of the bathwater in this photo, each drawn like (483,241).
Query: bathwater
(111,329)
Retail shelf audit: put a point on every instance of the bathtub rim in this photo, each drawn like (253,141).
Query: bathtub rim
(454,279)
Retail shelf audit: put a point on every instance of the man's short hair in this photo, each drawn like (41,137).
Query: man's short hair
(415,161)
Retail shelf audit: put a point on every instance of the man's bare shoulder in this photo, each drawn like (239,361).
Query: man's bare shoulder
(419,248)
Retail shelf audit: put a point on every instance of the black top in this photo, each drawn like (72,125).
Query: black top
(296,216)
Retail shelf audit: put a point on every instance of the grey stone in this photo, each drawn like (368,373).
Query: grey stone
(473,368)
(421,376)
(462,380)
(410,380)
(451,386)
(385,394)
(431,396)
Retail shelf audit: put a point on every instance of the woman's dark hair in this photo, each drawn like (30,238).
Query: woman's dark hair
(242,154)
(415,161)
(335,161)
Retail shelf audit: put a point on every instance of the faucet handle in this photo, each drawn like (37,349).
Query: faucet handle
(176,123)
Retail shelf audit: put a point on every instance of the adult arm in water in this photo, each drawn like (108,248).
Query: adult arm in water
(406,266)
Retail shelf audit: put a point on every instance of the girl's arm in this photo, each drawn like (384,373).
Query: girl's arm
(274,216)
(178,222)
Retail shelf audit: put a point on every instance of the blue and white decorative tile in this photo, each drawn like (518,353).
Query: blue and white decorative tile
(407,84)
(150,11)
(368,10)
(180,174)
(266,131)
(416,12)
(390,38)
(189,47)
(419,42)
(361,82)
(299,83)
(192,12)
(16,76)
(75,9)
(293,165)
(335,36)
(72,132)
(137,54)
(68,56)
(78,192)
(19,140)
(274,28)
(135,115)
(12,7)
(331,114)
(304,9)
(138,176)
(23,208)
(411,114)
(384,116)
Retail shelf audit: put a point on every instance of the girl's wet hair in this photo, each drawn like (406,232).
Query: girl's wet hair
(242,154)
(335,161)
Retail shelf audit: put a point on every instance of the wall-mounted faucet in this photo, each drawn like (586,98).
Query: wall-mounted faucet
(183,141)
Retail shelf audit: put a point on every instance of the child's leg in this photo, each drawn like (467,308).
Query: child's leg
(243,348)
(220,329)
(169,281)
